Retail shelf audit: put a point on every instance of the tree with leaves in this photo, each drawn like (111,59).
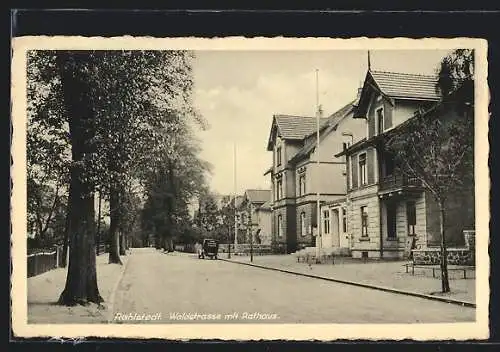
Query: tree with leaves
(227,215)
(437,146)
(171,185)
(118,111)
(48,154)
(208,214)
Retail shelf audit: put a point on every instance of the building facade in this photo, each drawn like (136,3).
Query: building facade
(254,217)
(300,172)
(385,209)
(264,228)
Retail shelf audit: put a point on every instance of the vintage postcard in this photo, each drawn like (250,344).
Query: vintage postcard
(250,189)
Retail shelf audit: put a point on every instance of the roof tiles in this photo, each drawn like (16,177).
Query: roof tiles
(404,85)
(332,120)
(297,127)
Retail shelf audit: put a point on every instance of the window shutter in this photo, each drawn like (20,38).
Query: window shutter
(370,165)
(354,168)
(387,114)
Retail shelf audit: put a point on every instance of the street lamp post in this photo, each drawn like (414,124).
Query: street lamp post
(251,234)
(229,243)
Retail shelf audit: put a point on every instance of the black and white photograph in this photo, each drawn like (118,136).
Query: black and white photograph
(250,188)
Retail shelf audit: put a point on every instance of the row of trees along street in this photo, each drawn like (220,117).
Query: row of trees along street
(119,124)
(215,220)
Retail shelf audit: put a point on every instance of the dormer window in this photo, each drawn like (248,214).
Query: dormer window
(278,156)
(380,120)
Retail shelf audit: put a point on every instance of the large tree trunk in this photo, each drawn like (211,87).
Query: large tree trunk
(81,281)
(122,243)
(445,284)
(158,242)
(114,234)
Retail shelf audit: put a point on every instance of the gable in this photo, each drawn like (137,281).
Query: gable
(328,127)
(292,127)
(395,86)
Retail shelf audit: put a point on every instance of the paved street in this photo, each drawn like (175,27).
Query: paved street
(164,285)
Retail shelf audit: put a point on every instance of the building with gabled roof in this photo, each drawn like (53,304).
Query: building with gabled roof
(254,214)
(296,176)
(291,127)
(387,212)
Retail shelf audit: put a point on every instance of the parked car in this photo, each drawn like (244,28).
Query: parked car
(209,248)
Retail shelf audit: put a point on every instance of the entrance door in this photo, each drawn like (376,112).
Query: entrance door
(391,220)
(335,229)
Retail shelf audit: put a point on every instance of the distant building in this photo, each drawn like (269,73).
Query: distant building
(256,215)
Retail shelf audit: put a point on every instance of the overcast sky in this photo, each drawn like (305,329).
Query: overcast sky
(238,92)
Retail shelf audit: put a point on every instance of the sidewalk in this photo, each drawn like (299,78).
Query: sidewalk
(44,290)
(387,274)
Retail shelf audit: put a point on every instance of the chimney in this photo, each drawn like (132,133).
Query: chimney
(320,111)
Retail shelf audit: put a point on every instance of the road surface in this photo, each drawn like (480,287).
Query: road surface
(180,288)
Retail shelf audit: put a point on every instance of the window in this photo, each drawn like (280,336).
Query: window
(391,209)
(364,221)
(302,185)
(411,217)
(280,226)
(278,156)
(303,227)
(344,220)
(389,164)
(326,221)
(362,170)
(279,189)
(380,121)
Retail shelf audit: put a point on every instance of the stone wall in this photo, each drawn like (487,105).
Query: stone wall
(432,256)
(366,196)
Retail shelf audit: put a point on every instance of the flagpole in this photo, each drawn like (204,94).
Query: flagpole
(318,218)
(235,218)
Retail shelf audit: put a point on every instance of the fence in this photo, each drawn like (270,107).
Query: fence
(47,259)
(101,248)
(188,248)
(43,261)
(245,249)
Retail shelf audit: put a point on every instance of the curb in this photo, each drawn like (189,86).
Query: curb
(112,295)
(359,284)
